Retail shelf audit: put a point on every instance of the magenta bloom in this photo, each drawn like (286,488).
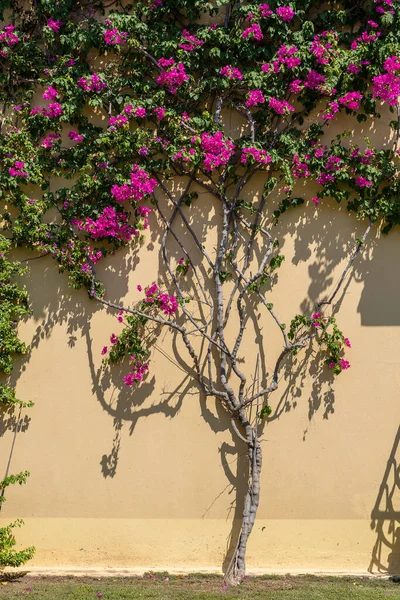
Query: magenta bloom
(280,106)
(173,75)
(75,136)
(104,350)
(347,342)
(50,93)
(344,364)
(140,112)
(54,25)
(113,37)
(159,112)
(254,97)
(217,150)
(254,32)
(231,72)
(53,110)
(363,182)
(285,13)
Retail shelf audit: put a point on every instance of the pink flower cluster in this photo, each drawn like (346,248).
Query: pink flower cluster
(314,80)
(17,170)
(254,31)
(300,168)
(94,84)
(49,140)
(192,42)
(386,87)
(167,304)
(7,36)
(365,38)
(344,364)
(285,13)
(217,150)
(322,48)
(75,136)
(139,369)
(351,100)
(50,93)
(110,223)
(384,6)
(259,156)
(141,185)
(231,72)
(118,121)
(285,56)
(363,182)
(296,86)
(159,112)
(265,11)
(54,25)
(281,107)
(113,37)
(333,108)
(173,75)
(254,97)
(53,110)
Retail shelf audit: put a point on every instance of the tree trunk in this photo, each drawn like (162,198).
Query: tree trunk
(237,566)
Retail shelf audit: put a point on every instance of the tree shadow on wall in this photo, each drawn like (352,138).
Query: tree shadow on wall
(386,517)
(321,246)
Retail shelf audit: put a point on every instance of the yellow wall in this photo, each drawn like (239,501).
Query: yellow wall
(148,478)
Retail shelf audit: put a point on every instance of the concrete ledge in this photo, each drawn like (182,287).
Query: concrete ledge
(139,571)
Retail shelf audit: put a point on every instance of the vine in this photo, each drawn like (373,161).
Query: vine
(172,71)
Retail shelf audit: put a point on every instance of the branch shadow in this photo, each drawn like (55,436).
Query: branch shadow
(385,517)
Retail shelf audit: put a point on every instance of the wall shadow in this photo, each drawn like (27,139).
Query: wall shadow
(385,517)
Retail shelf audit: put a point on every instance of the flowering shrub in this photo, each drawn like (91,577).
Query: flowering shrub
(171,80)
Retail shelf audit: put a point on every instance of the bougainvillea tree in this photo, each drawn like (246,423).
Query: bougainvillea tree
(171,71)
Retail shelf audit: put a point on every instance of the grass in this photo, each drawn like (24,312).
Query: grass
(161,586)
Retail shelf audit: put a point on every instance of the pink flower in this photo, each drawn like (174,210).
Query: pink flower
(173,76)
(296,86)
(139,288)
(285,13)
(159,112)
(113,37)
(231,73)
(351,100)
(75,136)
(254,31)
(347,342)
(259,156)
(332,365)
(141,185)
(8,36)
(317,315)
(316,200)
(265,11)
(113,339)
(54,25)
(217,150)
(363,182)
(280,106)
(254,97)
(140,112)
(344,364)
(50,93)
(191,43)
(352,68)
(53,110)
(104,350)
(118,121)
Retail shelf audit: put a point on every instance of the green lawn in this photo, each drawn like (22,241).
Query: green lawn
(198,587)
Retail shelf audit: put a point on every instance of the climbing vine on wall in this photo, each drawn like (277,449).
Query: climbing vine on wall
(170,71)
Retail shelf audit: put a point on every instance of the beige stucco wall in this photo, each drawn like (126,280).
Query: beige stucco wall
(148,478)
